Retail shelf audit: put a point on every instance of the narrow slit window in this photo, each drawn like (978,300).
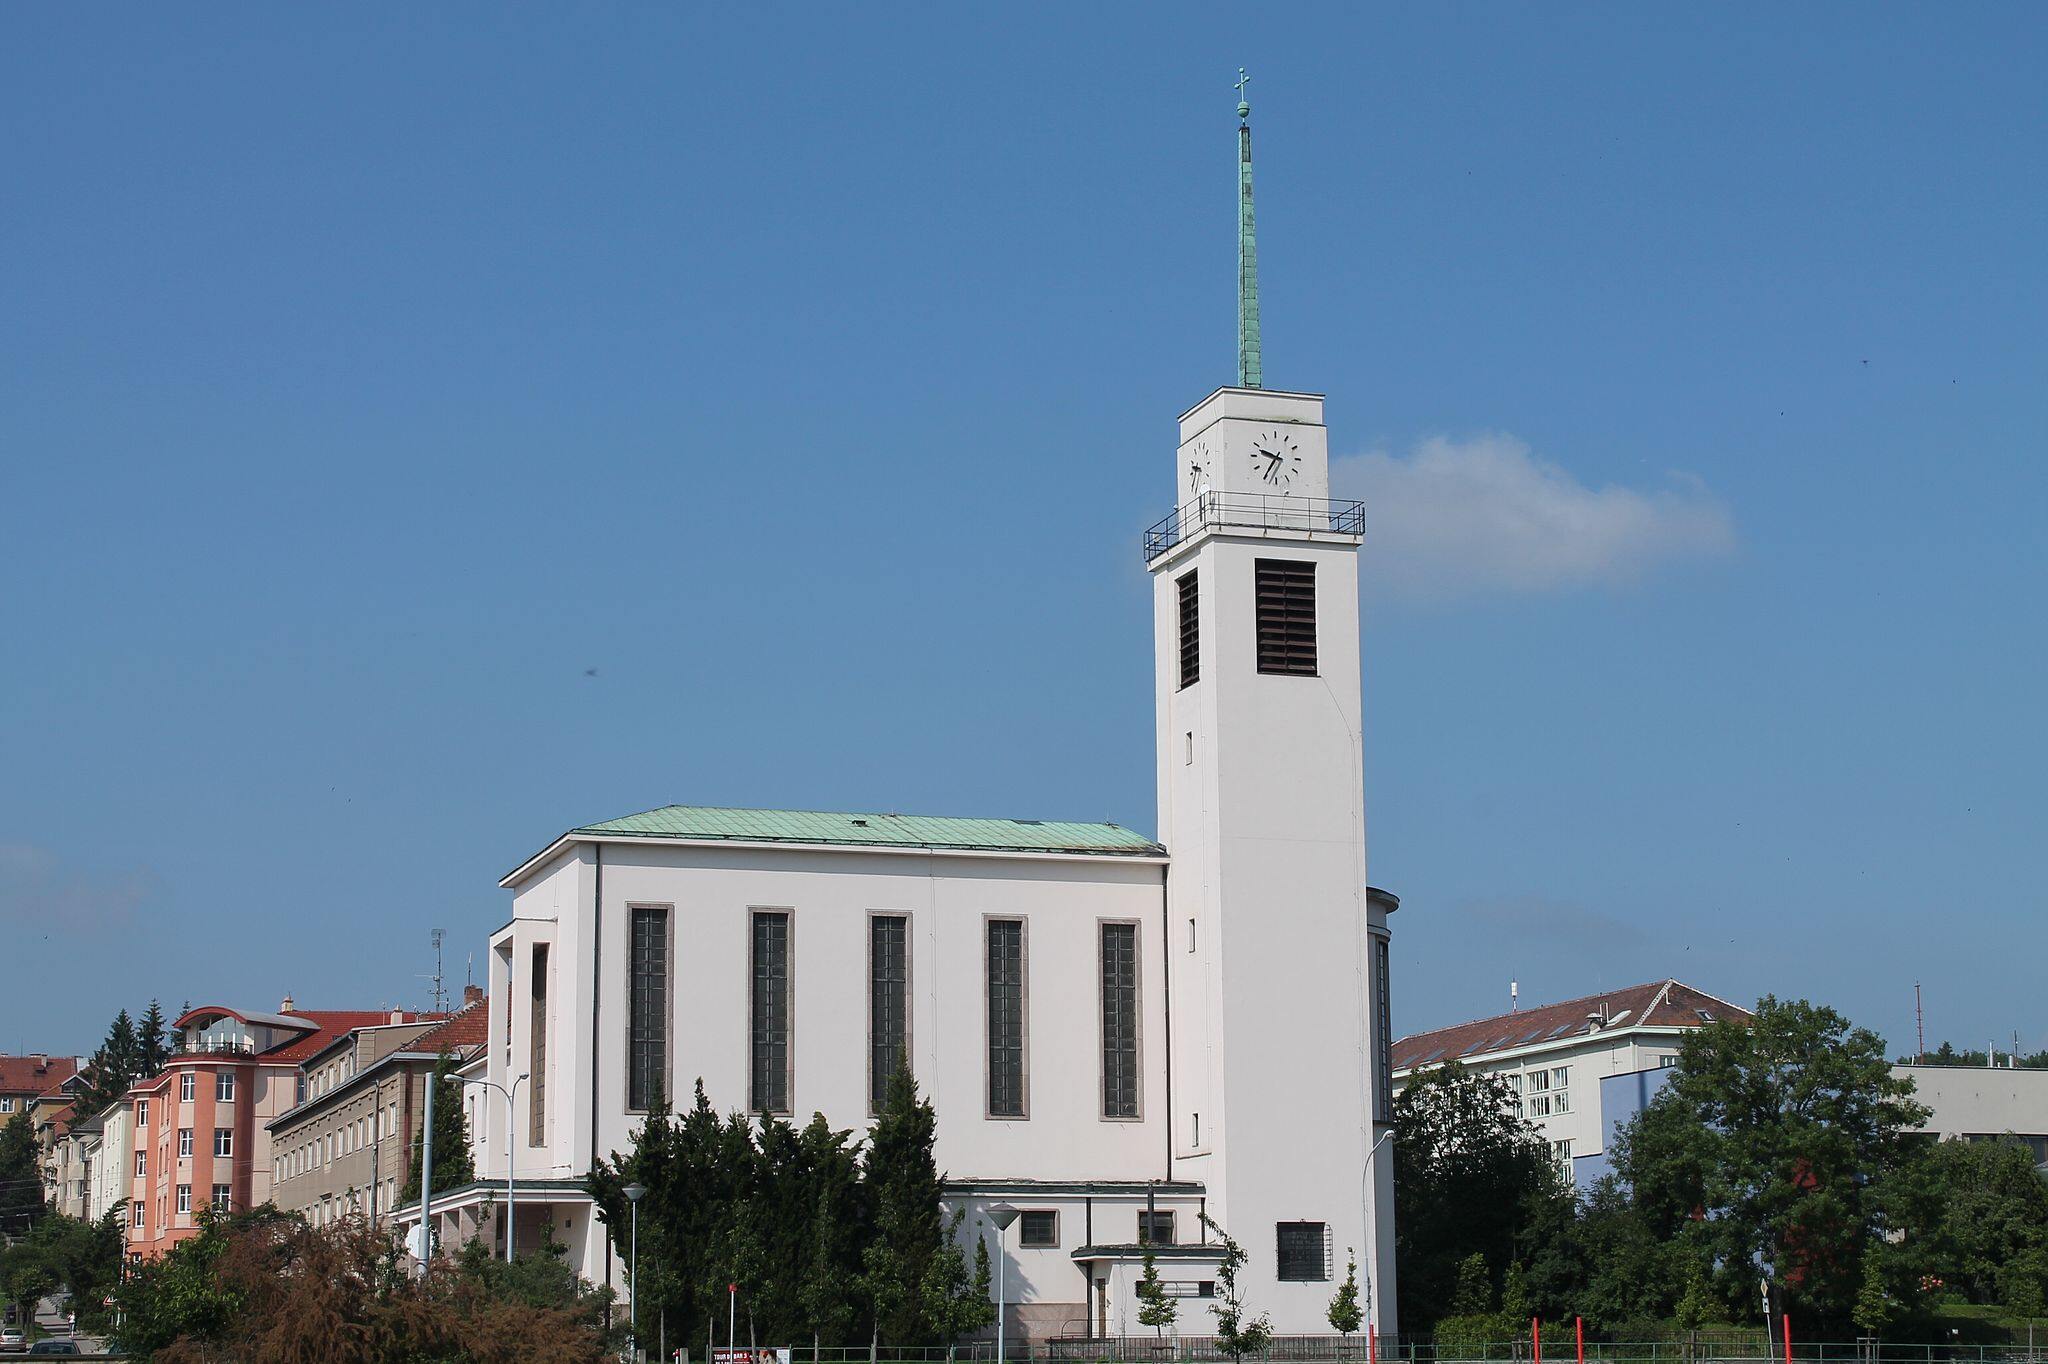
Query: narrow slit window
(770,1041)
(537,1048)
(1286,593)
(888,1003)
(647,1008)
(1006,1018)
(1190,630)
(1119,1020)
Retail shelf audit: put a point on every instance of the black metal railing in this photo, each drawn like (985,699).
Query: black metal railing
(1254,511)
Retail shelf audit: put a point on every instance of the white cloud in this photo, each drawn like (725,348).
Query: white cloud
(1457,518)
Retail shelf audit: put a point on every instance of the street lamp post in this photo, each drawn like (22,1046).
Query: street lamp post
(1373,1260)
(1002,1214)
(634,1193)
(511,1148)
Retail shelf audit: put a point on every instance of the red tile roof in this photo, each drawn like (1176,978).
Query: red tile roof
(35,1074)
(466,1029)
(1660,1004)
(330,1024)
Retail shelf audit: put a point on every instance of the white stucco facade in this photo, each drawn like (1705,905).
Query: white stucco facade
(1202,1017)
(1980,1103)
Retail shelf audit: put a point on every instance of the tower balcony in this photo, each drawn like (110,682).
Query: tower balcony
(1305,517)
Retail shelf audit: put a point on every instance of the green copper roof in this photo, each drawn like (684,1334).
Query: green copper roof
(1250,365)
(706,824)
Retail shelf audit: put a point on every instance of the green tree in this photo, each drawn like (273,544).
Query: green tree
(83,1257)
(904,1186)
(1345,1314)
(1238,1331)
(1774,1141)
(1155,1308)
(1468,1172)
(113,1067)
(453,1165)
(21,1176)
(1474,1293)
(1975,1208)
(152,1041)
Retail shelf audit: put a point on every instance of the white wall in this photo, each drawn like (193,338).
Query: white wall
(1977,1101)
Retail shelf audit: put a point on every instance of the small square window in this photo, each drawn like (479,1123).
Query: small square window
(1303,1251)
(1155,1228)
(1039,1228)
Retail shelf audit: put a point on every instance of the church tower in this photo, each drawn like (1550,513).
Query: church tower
(1276,1056)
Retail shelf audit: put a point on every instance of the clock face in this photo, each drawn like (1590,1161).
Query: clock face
(1276,459)
(1198,467)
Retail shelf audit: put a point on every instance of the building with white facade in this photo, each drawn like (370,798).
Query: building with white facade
(1579,1069)
(1111,1027)
(1983,1103)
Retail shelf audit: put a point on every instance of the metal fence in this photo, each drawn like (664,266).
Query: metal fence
(1697,1348)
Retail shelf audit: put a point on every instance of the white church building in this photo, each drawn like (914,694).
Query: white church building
(1120,1034)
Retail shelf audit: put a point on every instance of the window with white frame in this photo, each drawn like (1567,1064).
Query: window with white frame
(135,1214)
(224,1087)
(222,1196)
(142,1164)
(184,1144)
(1561,1153)
(6,1104)
(223,1141)
(184,1198)
(188,1085)
(142,1112)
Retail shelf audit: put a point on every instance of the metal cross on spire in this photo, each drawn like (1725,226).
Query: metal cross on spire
(1249,367)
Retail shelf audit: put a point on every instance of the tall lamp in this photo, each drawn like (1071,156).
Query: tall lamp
(1002,1214)
(634,1193)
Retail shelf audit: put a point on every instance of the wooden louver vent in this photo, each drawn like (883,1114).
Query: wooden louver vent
(1287,616)
(1190,631)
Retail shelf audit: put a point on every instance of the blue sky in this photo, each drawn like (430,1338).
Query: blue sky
(369,377)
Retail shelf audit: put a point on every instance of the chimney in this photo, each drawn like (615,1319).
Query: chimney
(285,1007)
(472,994)
(398,1015)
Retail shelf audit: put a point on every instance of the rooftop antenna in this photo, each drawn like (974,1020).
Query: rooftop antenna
(440,992)
(1919,1028)
(1249,365)
(1514,996)
(469,971)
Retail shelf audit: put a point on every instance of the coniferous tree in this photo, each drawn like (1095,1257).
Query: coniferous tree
(21,1176)
(1345,1314)
(1155,1308)
(152,1041)
(453,1165)
(904,1184)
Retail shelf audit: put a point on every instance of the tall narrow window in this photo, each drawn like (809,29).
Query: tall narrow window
(1383,1021)
(1287,616)
(1190,630)
(1119,1020)
(537,1048)
(647,1008)
(224,1086)
(888,1002)
(770,1041)
(1006,1018)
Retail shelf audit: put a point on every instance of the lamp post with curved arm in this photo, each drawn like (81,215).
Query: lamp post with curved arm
(511,1147)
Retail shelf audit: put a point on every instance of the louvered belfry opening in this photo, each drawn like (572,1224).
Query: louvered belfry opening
(1190,630)
(1287,616)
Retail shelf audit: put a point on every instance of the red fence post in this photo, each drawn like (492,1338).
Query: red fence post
(1536,1338)
(1579,1329)
(1788,1338)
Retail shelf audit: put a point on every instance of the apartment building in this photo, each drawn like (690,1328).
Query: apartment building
(346,1149)
(24,1078)
(202,1126)
(1578,1069)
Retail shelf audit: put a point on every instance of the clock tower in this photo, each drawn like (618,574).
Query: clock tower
(1277,1054)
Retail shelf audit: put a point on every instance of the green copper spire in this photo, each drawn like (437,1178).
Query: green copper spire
(1248,365)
